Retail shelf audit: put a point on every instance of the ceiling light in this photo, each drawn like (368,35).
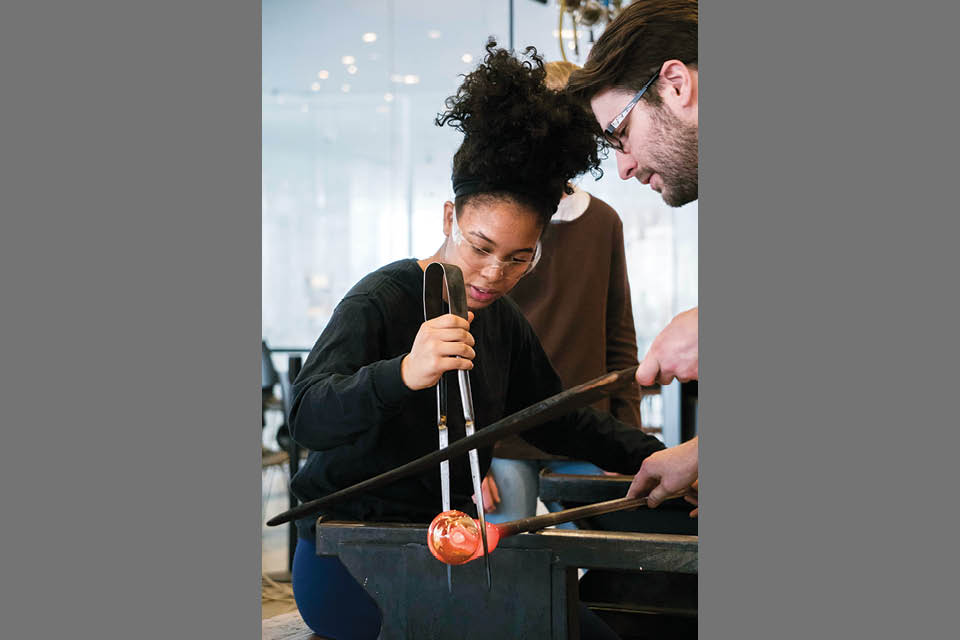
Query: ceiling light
(352,69)
(467,57)
(348,59)
(388,97)
(396,77)
(345,88)
(411,79)
(315,86)
(383,109)
(370,37)
(323,74)
(433,34)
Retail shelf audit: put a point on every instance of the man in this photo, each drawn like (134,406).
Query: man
(578,302)
(642,83)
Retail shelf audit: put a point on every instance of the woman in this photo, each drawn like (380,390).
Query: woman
(364,403)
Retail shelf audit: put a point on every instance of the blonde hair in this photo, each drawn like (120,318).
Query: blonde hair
(558,73)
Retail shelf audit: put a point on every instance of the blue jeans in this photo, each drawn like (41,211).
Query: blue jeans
(330,600)
(519,484)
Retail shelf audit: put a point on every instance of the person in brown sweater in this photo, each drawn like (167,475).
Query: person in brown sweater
(578,302)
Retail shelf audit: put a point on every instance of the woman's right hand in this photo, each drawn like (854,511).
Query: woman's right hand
(435,350)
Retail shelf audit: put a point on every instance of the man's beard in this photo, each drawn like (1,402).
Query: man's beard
(675,156)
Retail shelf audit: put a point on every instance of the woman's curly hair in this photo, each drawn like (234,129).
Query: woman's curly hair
(522,141)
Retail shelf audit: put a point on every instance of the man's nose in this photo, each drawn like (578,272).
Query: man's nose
(626,166)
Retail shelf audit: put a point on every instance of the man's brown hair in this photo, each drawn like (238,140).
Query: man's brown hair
(635,45)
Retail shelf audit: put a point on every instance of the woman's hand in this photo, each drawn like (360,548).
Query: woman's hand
(491,493)
(442,344)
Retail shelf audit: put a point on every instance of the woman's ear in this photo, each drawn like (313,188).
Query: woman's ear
(448,213)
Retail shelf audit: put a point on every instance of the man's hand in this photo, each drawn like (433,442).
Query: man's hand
(491,494)
(674,353)
(693,497)
(666,473)
(435,349)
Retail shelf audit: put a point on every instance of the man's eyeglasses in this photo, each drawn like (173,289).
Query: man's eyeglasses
(480,259)
(616,122)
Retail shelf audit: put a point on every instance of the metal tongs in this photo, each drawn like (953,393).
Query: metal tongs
(438,279)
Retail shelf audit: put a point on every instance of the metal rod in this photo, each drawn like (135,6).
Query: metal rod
(533,416)
(535,523)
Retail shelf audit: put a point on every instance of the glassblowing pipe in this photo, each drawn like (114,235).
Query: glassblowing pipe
(534,415)
(454,537)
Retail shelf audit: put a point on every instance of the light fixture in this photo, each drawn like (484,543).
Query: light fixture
(369,37)
(348,59)
(411,79)
(383,109)
(323,74)
(433,34)
(345,88)
(352,69)
(586,15)
(591,13)
(388,97)
(396,77)
(315,86)
(467,57)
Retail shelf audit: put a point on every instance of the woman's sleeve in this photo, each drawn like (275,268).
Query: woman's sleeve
(584,434)
(346,387)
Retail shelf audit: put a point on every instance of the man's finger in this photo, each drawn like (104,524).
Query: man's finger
(641,485)
(658,495)
(648,370)
(494,490)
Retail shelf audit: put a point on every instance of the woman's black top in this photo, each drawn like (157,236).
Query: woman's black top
(353,412)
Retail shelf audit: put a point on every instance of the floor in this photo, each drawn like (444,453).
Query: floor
(277,597)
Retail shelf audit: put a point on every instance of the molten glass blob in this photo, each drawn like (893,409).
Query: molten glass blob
(454,537)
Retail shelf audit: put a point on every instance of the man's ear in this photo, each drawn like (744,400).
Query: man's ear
(679,86)
(448,213)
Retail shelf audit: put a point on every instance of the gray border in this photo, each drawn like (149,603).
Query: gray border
(130,261)
(130,197)
(828,319)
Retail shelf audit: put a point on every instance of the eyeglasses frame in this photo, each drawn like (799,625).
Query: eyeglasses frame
(616,122)
(504,265)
